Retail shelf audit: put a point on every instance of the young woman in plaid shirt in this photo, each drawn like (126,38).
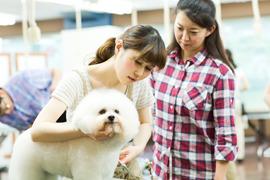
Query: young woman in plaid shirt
(194,130)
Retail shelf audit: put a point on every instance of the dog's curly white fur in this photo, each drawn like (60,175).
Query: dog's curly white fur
(82,158)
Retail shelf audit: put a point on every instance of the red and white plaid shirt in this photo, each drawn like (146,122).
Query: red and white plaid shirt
(193,117)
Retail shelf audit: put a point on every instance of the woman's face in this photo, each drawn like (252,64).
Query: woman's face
(189,35)
(129,68)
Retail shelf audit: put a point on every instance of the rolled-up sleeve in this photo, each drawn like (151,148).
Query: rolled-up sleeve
(224,115)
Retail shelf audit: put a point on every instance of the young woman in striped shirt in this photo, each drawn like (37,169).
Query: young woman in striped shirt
(118,64)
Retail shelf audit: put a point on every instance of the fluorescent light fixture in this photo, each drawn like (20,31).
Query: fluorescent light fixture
(107,6)
(232,1)
(7,19)
(64,2)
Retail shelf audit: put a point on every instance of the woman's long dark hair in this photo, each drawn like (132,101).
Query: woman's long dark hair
(202,12)
(230,58)
(143,38)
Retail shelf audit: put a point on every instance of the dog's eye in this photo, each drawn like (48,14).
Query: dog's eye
(116,111)
(102,111)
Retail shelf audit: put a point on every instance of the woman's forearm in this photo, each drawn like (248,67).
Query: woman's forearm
(221,169)
(55,132)
(143,136)
(45,128)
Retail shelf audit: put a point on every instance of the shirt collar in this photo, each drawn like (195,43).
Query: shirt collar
(197,59)
(175,55)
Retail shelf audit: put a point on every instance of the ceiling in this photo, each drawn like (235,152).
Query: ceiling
(47,10)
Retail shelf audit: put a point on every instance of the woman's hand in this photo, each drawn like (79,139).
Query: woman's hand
(105,133)
(129,153)
(140,140)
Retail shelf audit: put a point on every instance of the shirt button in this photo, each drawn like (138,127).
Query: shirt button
(171,107)
(163,152)
(170,128)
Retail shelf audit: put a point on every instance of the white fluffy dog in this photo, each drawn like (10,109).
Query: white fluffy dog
(82,158)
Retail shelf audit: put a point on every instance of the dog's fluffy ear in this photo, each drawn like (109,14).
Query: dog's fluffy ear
(83,123)
(77,122)
(129,118)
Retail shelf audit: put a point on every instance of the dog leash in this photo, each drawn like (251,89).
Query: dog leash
(125,167)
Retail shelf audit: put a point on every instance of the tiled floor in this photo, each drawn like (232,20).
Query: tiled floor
(250,169)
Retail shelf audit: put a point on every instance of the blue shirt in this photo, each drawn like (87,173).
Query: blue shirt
(30,90)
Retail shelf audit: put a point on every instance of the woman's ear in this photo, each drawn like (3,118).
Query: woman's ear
(212,29)
(118,46)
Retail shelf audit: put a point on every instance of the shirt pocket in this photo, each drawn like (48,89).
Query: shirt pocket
(197,98)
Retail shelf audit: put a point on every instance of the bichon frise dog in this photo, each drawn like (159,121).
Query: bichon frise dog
(82,158)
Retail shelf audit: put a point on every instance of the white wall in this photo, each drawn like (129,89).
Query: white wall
(77,45)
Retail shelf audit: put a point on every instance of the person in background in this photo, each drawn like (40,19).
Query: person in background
(25,94)
(194,133)
(122,64)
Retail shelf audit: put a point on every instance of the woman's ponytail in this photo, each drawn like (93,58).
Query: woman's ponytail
(104,52)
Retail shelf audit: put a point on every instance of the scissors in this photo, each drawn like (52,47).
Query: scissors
(125,167)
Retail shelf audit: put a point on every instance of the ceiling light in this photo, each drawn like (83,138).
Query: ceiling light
(7,19)
(64,2)
(108,6)
(100,6)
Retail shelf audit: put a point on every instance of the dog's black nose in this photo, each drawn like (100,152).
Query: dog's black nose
(111,118)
